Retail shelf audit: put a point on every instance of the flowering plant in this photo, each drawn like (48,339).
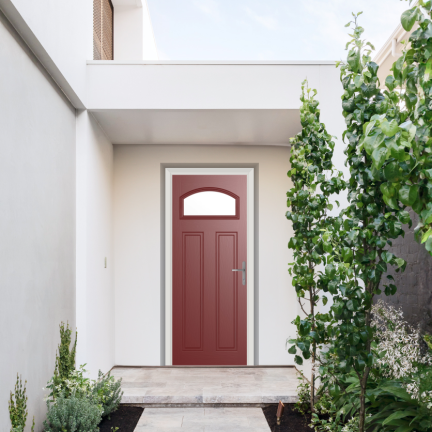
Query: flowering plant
(404,355)
(76,384)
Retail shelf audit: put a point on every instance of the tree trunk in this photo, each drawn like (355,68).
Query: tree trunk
(312,309)
(362,413)
(312,388)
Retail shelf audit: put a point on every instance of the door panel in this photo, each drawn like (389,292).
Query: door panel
(226,291)
(192,286)
(209,299)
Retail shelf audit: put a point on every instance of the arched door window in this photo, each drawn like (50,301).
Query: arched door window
(209,203)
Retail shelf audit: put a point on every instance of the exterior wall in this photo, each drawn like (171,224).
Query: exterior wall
(206,85)
(414,294)
(95,289)
(133,32)
(138,239)
(128,33)
(37,222)
(65,31)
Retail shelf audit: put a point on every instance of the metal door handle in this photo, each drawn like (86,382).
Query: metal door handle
(243,269)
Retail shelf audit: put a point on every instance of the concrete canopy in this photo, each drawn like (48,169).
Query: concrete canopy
(252,103)
(252,127)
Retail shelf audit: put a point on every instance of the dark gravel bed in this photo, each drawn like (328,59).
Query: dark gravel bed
(125,418)
(292,421)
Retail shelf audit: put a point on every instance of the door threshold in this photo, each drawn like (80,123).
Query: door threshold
(205,366)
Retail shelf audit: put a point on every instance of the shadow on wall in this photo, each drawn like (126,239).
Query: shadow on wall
(414,286)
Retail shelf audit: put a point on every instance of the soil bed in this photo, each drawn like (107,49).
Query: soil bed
(291,420)
(125,418)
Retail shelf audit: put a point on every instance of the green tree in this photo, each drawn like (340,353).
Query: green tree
(353,273)
(409,168)
(309,199)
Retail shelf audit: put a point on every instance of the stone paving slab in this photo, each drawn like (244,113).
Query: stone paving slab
(202,420)
(258,385)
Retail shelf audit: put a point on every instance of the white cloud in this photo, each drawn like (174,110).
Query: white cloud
(268,22)
(208,7)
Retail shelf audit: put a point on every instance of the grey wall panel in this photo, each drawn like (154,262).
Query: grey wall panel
(37,222)
(414,294)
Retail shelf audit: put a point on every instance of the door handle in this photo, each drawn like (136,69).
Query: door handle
(243,270)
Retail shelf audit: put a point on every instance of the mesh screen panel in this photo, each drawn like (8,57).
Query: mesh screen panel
(103,30)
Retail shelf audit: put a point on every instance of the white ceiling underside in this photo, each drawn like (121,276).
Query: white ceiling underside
(221,127)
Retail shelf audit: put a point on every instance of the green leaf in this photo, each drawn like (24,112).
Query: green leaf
(404,217)
(392,171)
(396,390)
(404,428)
(314,335)
(428,245)
(398,152)
(304,328)
(428,72)
(379,156)
(389,128)
(426,235)
(426,214)
(398,415)
(324,300)
(298,360)
(292,350)
(387,256)
(408,18)
(349,105)
(347,255)
(354,60)
(389,82)
(373,141)
(330,271)
(354,339)
(408,194)
(352,305)
(327,247)
(400,262)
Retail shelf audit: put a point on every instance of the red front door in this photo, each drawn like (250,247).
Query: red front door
(209,242)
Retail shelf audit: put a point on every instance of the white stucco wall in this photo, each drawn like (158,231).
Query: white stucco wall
(37,223)
(64,29)
(137,246)
(95,289)
(133,32)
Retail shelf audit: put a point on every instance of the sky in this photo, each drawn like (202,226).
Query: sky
(266,29)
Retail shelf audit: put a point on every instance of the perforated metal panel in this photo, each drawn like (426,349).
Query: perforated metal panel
(103,30)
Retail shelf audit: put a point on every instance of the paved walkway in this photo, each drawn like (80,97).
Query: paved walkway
(207,386)
(202,420)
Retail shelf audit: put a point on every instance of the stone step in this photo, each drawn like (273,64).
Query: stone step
(167,386)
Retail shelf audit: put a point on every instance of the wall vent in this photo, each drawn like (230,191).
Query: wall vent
(103,30)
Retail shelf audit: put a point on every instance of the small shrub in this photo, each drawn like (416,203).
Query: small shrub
(303,391)
(72,414)
(326,417)
(18,407)
(108,392)
(352,425)
(76,384)
(65,361)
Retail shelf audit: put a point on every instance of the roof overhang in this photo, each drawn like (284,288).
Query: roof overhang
(252,103)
